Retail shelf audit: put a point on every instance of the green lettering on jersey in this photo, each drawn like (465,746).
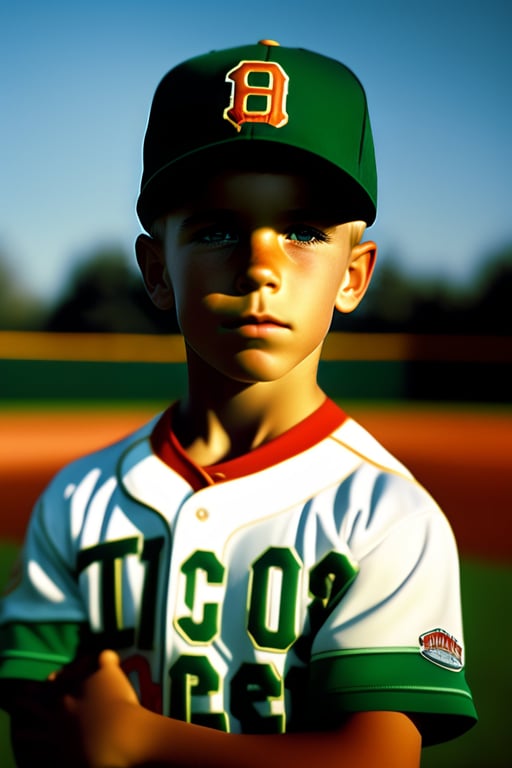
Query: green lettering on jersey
(205,629)
(253,689)
(272,599)
(329,580)
(193,676)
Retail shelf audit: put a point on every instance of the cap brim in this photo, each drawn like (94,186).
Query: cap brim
(169,186)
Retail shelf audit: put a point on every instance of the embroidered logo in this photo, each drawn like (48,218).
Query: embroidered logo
(442,649)
(262,103)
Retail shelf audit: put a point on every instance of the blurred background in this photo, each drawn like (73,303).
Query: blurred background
(425,362)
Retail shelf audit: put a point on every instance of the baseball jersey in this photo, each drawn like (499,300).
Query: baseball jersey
(279,591)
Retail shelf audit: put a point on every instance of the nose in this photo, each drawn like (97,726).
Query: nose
(261,267)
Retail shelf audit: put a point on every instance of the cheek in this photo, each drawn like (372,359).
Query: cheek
(322,286)
(186,284)
(193,301)
(197,277)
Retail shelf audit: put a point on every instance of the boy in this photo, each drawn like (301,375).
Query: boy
(276,587)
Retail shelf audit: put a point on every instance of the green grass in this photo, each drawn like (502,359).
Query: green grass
(8,552)
(488,627)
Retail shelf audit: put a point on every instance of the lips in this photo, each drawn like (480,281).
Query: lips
(255,320)
(262,328)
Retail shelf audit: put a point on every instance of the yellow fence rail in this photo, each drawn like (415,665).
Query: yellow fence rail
(21,345)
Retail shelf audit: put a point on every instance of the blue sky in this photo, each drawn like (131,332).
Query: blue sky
(77,80)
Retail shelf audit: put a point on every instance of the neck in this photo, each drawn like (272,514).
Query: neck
(221,419)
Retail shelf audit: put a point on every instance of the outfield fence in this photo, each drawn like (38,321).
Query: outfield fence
(60,366)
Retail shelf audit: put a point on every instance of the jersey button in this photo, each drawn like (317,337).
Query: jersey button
(202,514)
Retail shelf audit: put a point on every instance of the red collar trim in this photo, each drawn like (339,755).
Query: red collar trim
(299,438)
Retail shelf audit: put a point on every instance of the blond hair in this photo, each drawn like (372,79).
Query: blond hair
(357,230)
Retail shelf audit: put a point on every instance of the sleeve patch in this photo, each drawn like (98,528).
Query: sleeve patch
(442,649)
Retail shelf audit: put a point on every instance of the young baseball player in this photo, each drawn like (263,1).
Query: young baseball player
(250,578)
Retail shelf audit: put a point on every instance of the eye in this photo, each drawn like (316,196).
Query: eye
(216,236)
(307,235)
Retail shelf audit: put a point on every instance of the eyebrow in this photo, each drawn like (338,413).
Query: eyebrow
(223,214)
(208,214)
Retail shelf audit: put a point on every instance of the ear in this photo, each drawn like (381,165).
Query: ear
(357,276)
(151,261)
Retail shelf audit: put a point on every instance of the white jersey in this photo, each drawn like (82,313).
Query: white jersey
(308,579)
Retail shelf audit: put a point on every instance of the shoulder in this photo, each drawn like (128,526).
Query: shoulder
(378,475)
(356,439)
(92,469)
(381,496)
(107,457)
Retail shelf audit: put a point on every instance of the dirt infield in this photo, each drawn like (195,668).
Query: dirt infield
(463,457)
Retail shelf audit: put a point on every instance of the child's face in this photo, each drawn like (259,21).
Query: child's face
(256,267)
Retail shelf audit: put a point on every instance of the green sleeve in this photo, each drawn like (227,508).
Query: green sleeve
(391,679)
(32,651)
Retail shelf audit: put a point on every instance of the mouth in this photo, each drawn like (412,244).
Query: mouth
(257,320)
(256,326)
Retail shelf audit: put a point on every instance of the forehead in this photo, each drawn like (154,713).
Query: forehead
(261,194)
(248,188)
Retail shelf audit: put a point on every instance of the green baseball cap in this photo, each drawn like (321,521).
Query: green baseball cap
(265,104)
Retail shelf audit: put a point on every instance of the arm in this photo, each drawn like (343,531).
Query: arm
(116,731)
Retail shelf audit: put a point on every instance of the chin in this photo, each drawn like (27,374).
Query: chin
(258,367)
(251,376)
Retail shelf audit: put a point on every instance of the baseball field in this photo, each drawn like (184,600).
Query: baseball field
(462,454)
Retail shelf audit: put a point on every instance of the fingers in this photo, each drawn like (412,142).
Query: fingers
(71,678)
(107,657)
(92,678)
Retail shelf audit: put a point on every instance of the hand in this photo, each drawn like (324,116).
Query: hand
(75,718)
(95,705)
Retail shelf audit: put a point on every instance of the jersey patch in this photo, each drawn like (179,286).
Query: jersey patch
(442,649)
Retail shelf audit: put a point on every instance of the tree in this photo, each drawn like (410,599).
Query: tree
(105,294)
(18,309)
(490,307)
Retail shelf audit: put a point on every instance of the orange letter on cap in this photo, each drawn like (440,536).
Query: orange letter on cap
(275,94)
